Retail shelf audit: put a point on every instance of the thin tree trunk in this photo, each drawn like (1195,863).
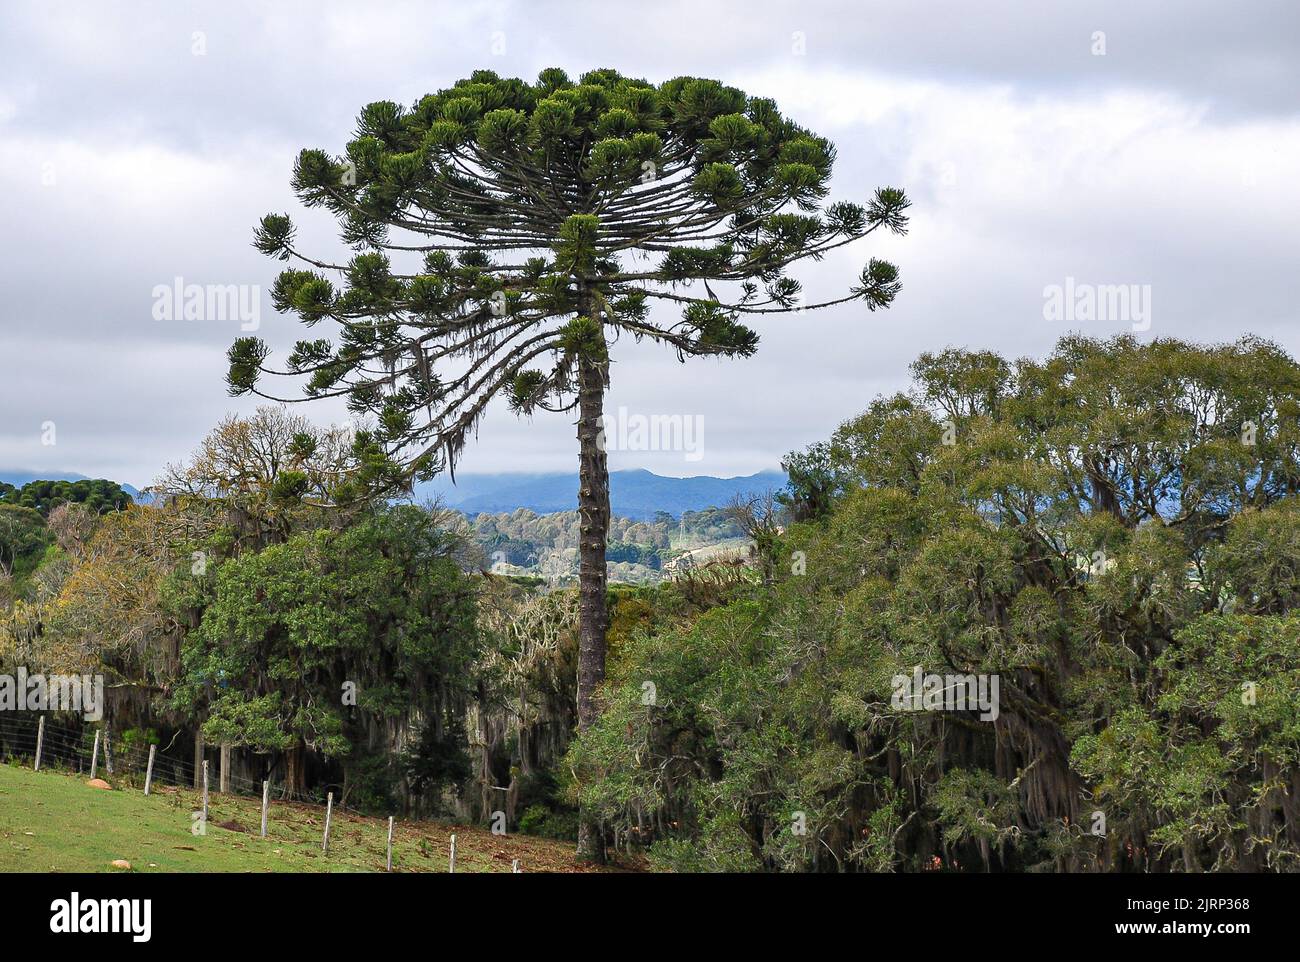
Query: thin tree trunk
(295,781)
(593,513)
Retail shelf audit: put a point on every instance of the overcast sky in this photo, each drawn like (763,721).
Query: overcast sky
(1126,142)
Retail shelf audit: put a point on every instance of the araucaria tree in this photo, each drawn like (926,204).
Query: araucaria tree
(541,222)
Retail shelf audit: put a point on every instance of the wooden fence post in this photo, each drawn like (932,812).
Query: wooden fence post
(205,793)
(390,844)
(40,742)
(329,810)
(451,866)
(225,768)
(514,867)
(94,755)
(108,747)
(148,775)
(266,797)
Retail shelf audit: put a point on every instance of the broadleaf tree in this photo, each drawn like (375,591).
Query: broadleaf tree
(506,233)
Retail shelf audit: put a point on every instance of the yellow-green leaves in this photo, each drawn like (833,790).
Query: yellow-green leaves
(381,120)
(553,120)
(631,159)
(370,274)
(575,251)
(304,292)
(461,110)
(504,131)
(720,184)
(610,158)
(583,337)
(800,181)
(445,135)
(733,132)
(402,172)
(697,102)
(640,101)
(814,152)
(616,123)
(315,173)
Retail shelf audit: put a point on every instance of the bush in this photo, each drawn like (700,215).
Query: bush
(540,821)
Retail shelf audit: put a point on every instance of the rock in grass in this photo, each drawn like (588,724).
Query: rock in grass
(120,863)
(99,783)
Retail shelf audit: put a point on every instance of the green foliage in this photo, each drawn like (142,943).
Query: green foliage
(633,554)
(438,758)
(1110,532)
(543,822)
(24,538)
(378,610)
(44,496)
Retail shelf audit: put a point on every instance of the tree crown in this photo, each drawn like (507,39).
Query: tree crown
(544,217)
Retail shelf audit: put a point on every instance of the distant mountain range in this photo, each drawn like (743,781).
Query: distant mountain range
(19,478)
(633,494)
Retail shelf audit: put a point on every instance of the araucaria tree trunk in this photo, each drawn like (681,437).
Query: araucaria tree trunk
(593,515)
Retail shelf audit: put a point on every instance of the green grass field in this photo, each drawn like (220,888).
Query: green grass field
(55,822)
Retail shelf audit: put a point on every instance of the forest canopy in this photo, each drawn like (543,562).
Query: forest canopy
(1112,532)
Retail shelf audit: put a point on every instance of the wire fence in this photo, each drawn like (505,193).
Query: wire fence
(73,749)
(95,751)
